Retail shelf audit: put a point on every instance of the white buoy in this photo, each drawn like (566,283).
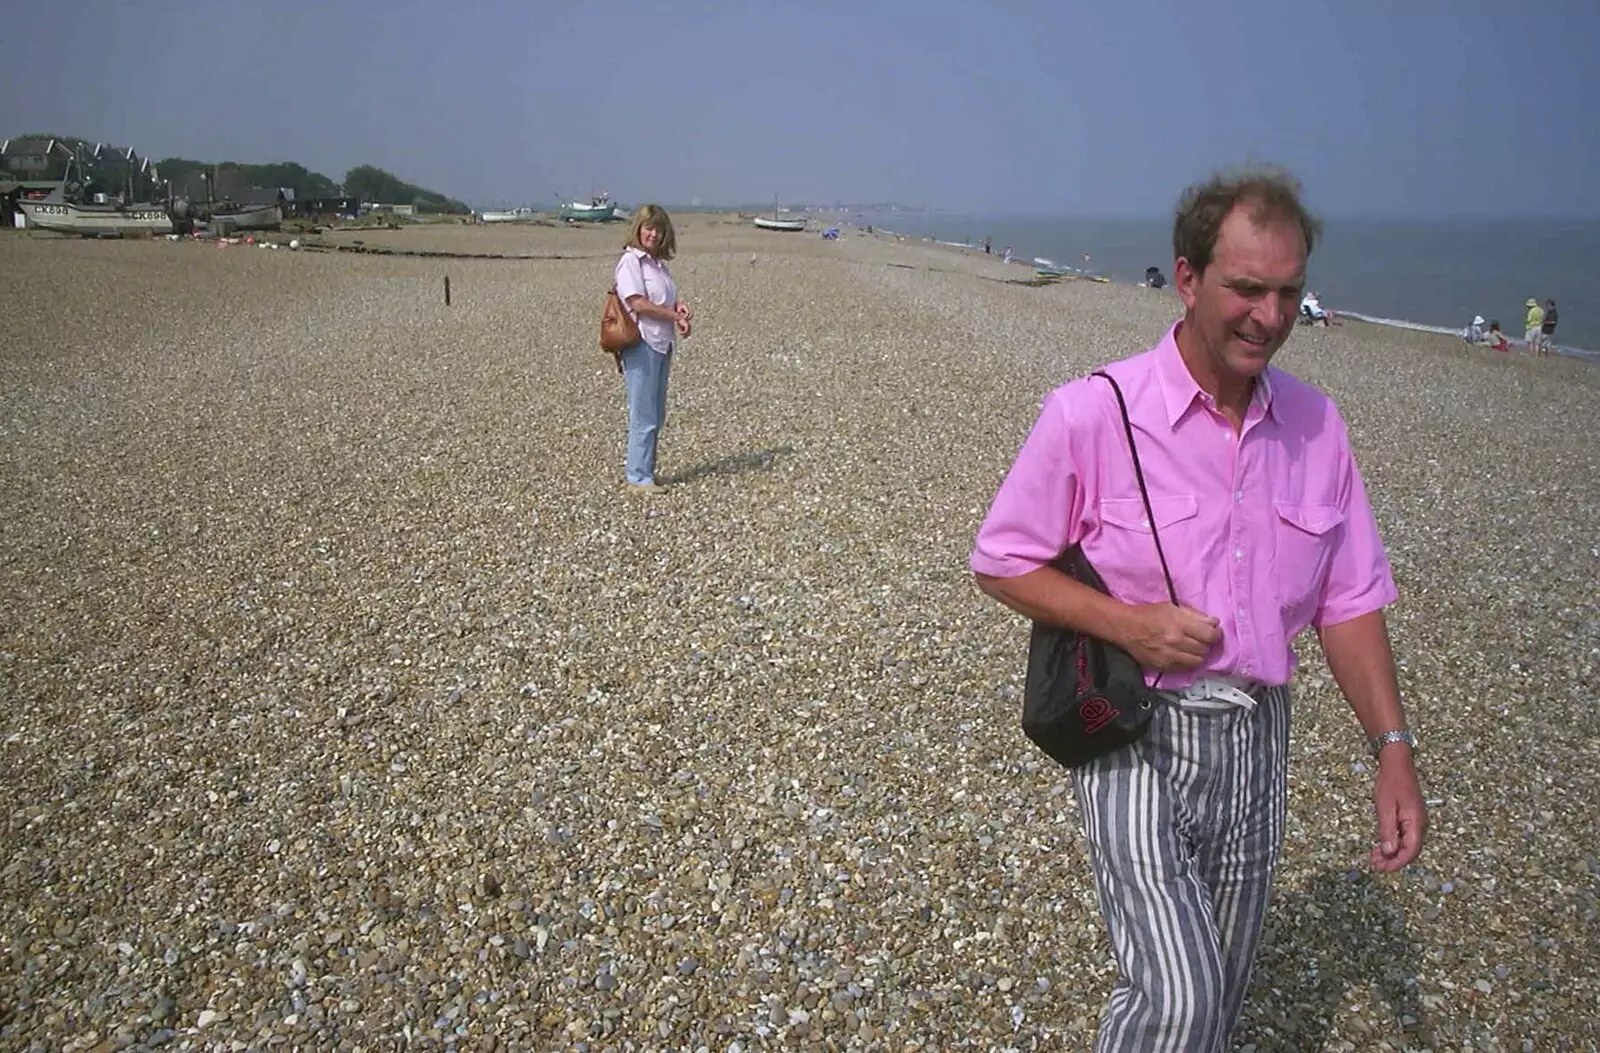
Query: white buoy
(294,243)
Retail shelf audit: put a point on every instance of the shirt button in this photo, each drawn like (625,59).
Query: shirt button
(1241,612)
(1238,497)
(1238,553)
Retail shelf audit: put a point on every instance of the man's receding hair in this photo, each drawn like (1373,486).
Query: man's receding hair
(654,216)
(1270,193)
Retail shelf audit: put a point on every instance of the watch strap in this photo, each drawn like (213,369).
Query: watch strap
(1378,742)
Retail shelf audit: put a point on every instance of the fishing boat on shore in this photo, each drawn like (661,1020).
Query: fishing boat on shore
(778,220)
(598,210)
(93,220)
(245,217)
(223,204)
(764,223)
(104,192)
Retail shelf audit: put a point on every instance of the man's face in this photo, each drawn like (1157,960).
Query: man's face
(1243,307)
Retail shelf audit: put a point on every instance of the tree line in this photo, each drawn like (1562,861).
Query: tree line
(363,182)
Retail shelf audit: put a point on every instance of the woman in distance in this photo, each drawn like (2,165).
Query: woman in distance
(646,288)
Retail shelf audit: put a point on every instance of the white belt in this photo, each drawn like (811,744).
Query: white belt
(1218,693)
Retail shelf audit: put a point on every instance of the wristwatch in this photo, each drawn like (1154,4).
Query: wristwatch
(1400,735)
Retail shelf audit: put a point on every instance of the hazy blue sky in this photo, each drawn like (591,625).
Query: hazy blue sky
(1381,106)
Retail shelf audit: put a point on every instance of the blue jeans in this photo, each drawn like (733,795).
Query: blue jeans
(645,372)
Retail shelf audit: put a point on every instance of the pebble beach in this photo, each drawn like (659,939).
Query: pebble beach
(348,700)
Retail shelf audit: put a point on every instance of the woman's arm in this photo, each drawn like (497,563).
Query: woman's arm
(643,308)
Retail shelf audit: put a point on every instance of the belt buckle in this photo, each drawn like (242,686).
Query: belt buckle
(1228,690)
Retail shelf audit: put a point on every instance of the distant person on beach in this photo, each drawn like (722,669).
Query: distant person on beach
(1311,308)
(1533,325)
(986,247)
(1473,334)
(647,288)
(1547,327)
(1007,258)
(1495,338)
(1266,528)
(1154,278)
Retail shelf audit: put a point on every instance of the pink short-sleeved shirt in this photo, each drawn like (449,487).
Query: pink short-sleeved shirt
(1269,531)
(640,274)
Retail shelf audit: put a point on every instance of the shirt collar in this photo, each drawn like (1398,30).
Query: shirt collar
(640,253)
(1178,387)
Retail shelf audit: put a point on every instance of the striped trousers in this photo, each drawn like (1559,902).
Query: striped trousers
(1184,832)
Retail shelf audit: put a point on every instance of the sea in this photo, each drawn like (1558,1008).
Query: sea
(1432,275)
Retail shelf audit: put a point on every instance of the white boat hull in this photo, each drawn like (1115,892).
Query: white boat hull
(779,224)
(93,220)
(507,215)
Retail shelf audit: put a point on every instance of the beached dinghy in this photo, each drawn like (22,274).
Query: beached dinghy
(779,224)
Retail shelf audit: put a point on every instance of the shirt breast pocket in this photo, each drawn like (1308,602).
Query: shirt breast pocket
(1303,540)
(1126,556)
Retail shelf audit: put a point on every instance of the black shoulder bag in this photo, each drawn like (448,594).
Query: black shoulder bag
(1085,697)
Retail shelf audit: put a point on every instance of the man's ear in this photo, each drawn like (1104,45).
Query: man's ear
(1187,281)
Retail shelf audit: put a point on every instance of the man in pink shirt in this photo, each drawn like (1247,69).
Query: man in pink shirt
(1267,529)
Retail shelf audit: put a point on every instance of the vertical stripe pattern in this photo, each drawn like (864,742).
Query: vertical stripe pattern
(1184,831)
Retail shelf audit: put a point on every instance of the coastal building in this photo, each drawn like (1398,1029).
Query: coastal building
(323,208)
(227,185)
(31,168)
(35,158)
(113,174)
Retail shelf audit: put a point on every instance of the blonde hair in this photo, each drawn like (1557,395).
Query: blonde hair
(656,217)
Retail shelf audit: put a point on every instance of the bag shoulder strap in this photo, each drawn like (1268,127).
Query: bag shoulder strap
(1138,472)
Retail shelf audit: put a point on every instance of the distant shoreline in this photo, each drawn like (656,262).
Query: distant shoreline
(1512,331)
